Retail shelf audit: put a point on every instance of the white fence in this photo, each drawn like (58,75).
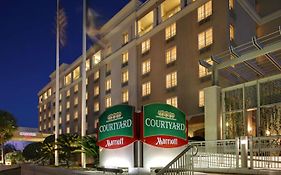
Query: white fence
(253,153)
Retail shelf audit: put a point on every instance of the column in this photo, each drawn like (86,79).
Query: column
(212,113)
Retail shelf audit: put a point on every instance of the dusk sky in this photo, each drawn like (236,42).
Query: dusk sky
(27,48)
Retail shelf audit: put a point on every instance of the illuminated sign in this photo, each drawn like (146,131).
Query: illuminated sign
(28,134)
(116,128)
(164,126)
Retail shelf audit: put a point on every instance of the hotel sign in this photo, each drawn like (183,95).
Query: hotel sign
(116,128)
(164,126)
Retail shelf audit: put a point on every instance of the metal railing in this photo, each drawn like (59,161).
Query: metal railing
(182,164)
(258,152)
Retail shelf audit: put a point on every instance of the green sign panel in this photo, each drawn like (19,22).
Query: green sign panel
(164,125)
(116,127)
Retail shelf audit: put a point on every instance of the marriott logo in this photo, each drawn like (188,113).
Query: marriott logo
(116,142)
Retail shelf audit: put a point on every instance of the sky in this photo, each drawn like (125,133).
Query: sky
(27,48)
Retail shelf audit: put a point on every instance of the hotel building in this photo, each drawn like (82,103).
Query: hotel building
(149,52)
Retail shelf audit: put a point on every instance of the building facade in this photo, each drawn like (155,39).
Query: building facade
(149,52)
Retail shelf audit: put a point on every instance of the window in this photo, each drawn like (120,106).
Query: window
(125,38)
(76,73)
(88,64)
(60,131)
(125,76)
(205,38)
(60,108)
(67,129)
(67,79)
(67,117)
(145,67)
(146,88)
(96,106)
(171,80)
(125,96)
(172,101)
(96,58)
(145,46)
(86,95)
(96,75)
(49,92)
(96,90)
(87,81)
(45,95)
(108,84)
(108,68)
(60,120)
(170,31)
(231,32)
(204,11)
(169,8)
(171,55)
(68,93)
(75,114)
(107,102)
(76,88)
(76,101)
(230,4)
(201,98)
(60,96)
(204,71)
(67,105)
(125,57)
(145,24)
(86,111)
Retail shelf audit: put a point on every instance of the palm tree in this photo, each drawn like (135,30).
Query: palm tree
(90,147)
(8,125)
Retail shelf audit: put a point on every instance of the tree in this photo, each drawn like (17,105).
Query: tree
(67,146)
(8,125)
(33,151)
(90,147)
(48,149)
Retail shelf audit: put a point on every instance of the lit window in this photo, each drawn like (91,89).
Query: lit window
(125,76)
(145,24)
(60,108)
(76,88)
(169,8)
(86,111)
(172,101)
(67,129)
(40,109)
(67,79)
(76,114)
(146,88)
(67,117)
(86,95)
(107,67)
(60,96)
(96,75)
(96,58)
(125,38)
(204,71)
(88,65)
(107,102)
(68,93)
(96,90)
(170,31)
(201,98)
(230,4)
(145,46)
(87,81)
(108,84)
(125,96)
(76,73)
(171,80)
(171,55)
(231,32)
(145,67)
(205,38)
(60,131)
(125,57)
(49,92)
(204,11)
(60,120)
(76,101)
(45,95)
(68,105)
(96,106)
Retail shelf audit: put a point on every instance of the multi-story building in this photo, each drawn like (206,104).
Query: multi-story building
(149,53)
